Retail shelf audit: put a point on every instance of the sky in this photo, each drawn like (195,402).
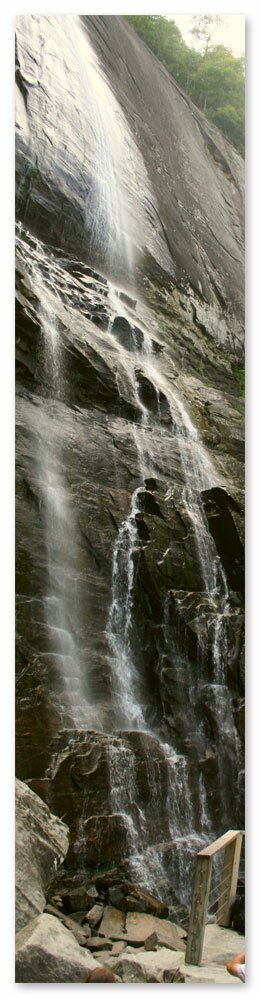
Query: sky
(231,31)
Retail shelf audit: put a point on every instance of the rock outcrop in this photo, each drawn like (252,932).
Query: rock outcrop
(41,845)
(47,953)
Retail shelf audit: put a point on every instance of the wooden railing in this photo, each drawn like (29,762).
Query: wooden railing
(231,843)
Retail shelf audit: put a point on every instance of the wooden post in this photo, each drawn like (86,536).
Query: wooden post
(231,842)
(229,879)
(199,909)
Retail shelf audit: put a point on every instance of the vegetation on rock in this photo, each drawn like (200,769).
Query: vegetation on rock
(214,78)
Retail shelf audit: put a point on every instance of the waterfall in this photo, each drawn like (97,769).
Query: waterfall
(125,676)
(62,617)
(165,811)
(198,475)
(185,823)
(107,218)
(63,608)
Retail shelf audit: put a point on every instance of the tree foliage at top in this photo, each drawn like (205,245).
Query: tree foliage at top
(214,78)
(203,26)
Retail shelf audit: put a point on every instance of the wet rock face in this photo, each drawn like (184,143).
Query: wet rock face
(222,527)
(129,461)
(197,235)
(87,415)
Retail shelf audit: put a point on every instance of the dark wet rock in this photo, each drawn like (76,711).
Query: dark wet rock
(116,896)
(218,508)
(84,765)
(127,334)
(105,839)
(126,896)
(77,898)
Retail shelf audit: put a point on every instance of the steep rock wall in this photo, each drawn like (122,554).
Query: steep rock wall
(129,451)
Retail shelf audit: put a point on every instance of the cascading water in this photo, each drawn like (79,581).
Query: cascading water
(176,800)
(198,476)
(183,826)
(106,213)
(62,611)
(125,675)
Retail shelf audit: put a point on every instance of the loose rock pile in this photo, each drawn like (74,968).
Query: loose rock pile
(132,936)
(106,931)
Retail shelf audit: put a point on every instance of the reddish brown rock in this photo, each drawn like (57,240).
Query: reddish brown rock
(102,975)
(105,838)
(136,929)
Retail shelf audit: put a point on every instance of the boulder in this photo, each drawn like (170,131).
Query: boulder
(47,953)
(113,923)
(41,844)
(79,898)
(81,934)
(94,916)
(102,975)
(146,968)
(173,977)
(118,947)
(130,897)
(137,929)
(97,943)
(165,935)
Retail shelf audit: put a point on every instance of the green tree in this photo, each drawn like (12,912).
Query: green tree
(213,79)
(165,40)
(218,88)
(203,27)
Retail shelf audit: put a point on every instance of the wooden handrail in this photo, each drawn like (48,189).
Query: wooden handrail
(231,843)
(219,844)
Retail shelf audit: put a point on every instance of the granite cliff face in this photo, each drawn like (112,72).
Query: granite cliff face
(129,457)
